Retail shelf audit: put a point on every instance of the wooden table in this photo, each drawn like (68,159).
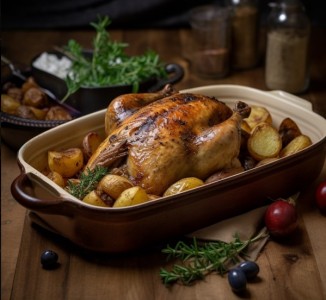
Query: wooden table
(292,270)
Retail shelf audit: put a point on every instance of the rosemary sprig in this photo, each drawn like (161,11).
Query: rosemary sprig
(108,63)
(87,182)
(200,260)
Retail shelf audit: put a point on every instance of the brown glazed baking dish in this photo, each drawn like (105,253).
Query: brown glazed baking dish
(129,228)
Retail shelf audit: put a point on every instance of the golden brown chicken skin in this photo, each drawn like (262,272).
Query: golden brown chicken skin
(171,138)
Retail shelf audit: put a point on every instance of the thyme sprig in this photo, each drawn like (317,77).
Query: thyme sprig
(108,64)
(199,260)
(87,182)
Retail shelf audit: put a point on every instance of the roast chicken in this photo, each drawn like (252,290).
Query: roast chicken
(156,139)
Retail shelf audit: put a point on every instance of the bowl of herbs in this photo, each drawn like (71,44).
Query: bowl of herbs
(94,77)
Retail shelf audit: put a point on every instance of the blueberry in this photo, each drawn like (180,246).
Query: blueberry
(237,280)
(250,268)
(49,259)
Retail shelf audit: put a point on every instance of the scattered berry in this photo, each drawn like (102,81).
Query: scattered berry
(250,268)
(237,280)
(49,259)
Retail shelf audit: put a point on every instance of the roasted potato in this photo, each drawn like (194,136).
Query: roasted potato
(132,196)
(94,199)
(67,162)
(113,185)
(57,113)
(57,178)
(38,113)
(16,93)
(224,174)
(266,161)
(9,105)
(35,97)
(288,130)
(183,185)
(25,112)
(298,143)
(258,114)
(90,143)
(264,142)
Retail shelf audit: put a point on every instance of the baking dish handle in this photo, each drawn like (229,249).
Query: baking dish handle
(292,98)
(175,74)
(36,195)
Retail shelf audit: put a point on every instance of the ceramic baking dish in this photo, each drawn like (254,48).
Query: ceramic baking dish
(130,228)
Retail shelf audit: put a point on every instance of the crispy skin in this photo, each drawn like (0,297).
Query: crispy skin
(172,138)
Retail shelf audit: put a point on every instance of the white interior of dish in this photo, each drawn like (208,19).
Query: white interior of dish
(33,154)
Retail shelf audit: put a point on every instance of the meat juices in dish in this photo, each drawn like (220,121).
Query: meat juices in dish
(156,139)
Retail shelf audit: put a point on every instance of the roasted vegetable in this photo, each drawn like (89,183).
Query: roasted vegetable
(297,144)
(183,185)
(257,115)
(113,185)
(90,143)
(224,174)
(288,130)
(67,162)
(9,105)
(264,142)
(266,161)
(132,196)
(35,97)
(94,199)
(57,178)
(57,113)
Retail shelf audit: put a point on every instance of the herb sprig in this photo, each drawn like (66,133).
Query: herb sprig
(200,260)
(108,64)
(87,182)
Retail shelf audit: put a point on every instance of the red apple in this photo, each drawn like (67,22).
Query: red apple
(281,218)
(321,196)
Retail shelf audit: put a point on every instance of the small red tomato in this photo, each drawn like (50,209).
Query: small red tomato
(321,196)
(281,218)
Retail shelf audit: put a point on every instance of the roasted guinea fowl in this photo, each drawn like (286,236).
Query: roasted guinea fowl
(159,138)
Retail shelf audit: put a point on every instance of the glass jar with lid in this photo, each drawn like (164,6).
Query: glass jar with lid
(245,24)
(286,63)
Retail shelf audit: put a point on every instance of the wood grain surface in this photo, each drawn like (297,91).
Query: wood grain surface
(295,269)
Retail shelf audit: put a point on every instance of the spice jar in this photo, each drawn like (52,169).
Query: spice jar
(287,47)
(210,48)
(244,33)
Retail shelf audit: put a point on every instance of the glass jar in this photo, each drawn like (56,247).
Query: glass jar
(286,64)
(245,22)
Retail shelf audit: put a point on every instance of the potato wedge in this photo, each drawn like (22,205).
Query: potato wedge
(57,178)
(258,114)
(297,144)
(264,142)
(182,185)
(131,196)
(94,199)
(9,105)
(288,130)
(90,143)
(67,162)
(267,161)
(113,185)
(224,174)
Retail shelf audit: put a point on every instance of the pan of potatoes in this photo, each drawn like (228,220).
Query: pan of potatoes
(27,110)
(283,149)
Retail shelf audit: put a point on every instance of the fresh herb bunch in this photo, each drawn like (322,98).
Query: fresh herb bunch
(87,183)
(200,260)
(109,64)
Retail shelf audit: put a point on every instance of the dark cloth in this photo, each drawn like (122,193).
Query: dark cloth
(56,14)
(79,13)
